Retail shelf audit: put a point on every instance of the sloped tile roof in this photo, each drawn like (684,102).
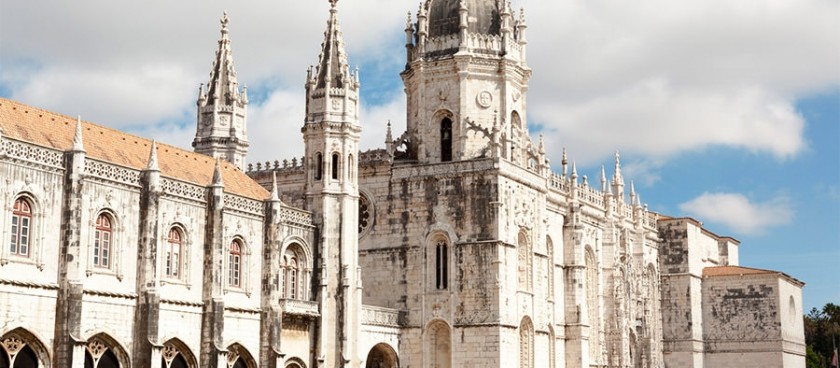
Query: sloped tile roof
(48,129)
(742,271)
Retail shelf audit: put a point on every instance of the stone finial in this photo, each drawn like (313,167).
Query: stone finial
(574,171)
(217,174)
(603,179)
(78,145)
(152,165)
(275,197)
(565,162)
(542,144)
(617,178)
(632,193)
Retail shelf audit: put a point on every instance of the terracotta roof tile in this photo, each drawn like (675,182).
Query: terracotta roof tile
(44,128)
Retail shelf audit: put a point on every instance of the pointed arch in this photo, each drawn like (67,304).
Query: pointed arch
(23,349)
(382,355)
(240,357)
(294,362)
(438,338)
(552,347)
(103,351)
(439,249)
(176,354)
(526,343)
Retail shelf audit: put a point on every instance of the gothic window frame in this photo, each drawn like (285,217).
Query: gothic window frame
(446,139)
(438,340)
(21,213)
(15,340)
(238,353)
(183,255)
(103,241)
(237,263)
(526,343)
(295,262)
(335,166)
(549,249)
(98,344)
(35,253)
(439,248)
(174,347)
(319,166)
(115,250)
(524,261)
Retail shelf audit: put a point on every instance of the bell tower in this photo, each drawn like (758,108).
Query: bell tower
(466,80)
(331,135)
(222,109)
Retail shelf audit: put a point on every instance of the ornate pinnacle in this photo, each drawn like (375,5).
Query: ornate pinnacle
(77,138)
(153,161)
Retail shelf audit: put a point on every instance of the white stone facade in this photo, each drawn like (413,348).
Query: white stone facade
(456,245)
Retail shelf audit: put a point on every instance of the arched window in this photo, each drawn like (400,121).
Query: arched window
(235,263)
(292,278)
(174,253)
(319,166)
(335,166)
(102,242)
(525,259)
(176,355)
(446,140)
(21,227)
(293,273)
(526,343)
(441,265)
(102,353)
(20,349)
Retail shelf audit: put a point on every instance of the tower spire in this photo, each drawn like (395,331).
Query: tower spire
(222,108)
(333,70)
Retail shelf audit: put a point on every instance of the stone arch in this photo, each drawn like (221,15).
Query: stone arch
(525,259)
(526,343)
(294,362)
(176,249)
(176,354)
(295,271)
(439,260)
(22,348)
(438,337)
(444,129)
(103,351)
(318,166)
(552,347)
(335,166)
(382,355)
(240,357)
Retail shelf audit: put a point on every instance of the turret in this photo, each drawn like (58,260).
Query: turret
(221,119)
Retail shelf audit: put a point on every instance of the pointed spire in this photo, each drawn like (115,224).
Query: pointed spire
(217,174)
(603,179)
(78,146)
(542,144)
(617,178)
(223,87)
(152,165)
(388,137)
(275,197)
(574,171)
(333,70)
(632,193)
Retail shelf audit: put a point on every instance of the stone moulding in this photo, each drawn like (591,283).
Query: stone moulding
(299,307)
(32,153)
(379,316)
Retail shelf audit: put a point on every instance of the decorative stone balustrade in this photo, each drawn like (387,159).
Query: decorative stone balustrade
(299,307)
(378,316)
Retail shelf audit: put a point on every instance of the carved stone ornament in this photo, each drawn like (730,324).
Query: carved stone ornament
(13,345)
(169,352)
(96,349)
(484,99)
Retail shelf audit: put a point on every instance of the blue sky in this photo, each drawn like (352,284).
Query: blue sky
(724,111)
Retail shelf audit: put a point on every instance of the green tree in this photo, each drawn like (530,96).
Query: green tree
(822,332)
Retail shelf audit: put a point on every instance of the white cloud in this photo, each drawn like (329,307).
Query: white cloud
(737,212)
(654,78)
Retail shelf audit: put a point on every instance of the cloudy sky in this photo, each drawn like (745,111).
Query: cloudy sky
(727,111)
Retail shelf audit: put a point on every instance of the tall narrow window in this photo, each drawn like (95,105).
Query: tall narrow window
(21,227)
(174,251)
(235,264)
(335,166)
(292,270)
(446,140)
(102,242)
(441,265)
(319,166)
